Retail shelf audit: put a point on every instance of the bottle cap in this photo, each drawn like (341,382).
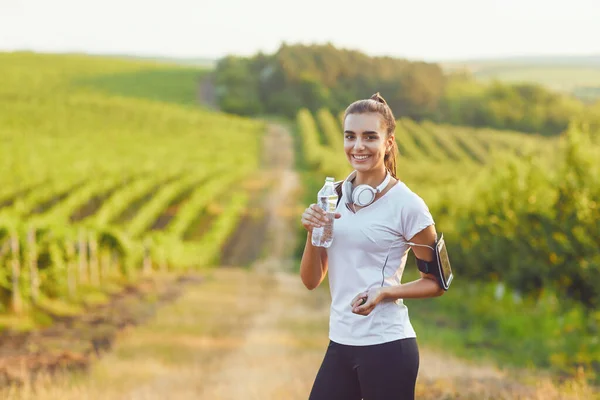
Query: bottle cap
(329,179)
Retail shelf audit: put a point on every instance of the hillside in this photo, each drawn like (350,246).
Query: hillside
(578,75)
(547,60)
(110,171)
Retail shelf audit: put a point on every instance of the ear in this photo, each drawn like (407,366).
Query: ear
(390,143)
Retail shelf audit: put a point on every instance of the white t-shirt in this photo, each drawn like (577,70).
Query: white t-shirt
(357,257)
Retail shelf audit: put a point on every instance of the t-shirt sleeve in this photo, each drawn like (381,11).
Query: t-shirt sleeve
(415,217)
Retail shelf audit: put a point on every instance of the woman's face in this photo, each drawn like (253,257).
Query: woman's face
(365,141)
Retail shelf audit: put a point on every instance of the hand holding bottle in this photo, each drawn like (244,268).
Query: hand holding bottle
(315,217)
(327,199)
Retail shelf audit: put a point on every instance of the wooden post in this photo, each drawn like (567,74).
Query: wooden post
(4,249)
(34,279)
(17,301)
(93,261)
(147,267)
(82,250)
(163,260)
(104,263)
(115,263)
(71,276)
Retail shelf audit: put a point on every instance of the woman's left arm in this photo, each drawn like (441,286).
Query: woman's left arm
(424,287)
(427,285)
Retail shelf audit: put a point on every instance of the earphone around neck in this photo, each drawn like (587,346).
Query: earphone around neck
(363,195)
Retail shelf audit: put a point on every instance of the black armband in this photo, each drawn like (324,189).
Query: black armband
(439,266)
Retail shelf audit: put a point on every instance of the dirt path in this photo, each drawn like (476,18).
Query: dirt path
(265,366)
(206,91)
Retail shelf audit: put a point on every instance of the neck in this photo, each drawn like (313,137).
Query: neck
(371,178)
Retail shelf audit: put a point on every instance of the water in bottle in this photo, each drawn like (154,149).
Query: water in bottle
(327,200)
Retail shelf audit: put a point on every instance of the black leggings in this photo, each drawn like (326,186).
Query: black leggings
(385,371)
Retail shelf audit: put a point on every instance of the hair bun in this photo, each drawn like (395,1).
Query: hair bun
(377,97)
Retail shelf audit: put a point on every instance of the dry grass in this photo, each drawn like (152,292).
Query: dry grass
(255,335)
(183,341)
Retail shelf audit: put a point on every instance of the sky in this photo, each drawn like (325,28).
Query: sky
(431,30)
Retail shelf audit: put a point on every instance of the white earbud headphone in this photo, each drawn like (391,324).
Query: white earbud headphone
(363,195)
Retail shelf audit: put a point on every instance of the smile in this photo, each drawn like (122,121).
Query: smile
(360,158)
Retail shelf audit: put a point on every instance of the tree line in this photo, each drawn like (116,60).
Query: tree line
(323,76)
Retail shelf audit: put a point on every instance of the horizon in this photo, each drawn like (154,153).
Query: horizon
(200,57)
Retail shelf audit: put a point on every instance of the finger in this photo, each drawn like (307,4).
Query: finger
(319,218)
(319,214)
(359,300)
(316,208)
(359,303)
(364,310)
(355,299)
(318,221)
(309,225)
(366,304)
(360,311)
(311,220)
(311,212)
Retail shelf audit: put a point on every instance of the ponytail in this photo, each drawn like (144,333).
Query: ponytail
(390,160)
(377,97)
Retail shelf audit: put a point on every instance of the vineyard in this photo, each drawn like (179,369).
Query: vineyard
(101,186)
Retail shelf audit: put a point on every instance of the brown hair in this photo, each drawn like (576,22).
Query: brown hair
(377,104)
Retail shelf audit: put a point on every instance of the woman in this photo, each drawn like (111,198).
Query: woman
(372,353)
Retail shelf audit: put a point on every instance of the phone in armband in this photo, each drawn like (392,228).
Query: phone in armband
(440,265)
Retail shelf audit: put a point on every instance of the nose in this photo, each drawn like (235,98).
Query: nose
(359,144)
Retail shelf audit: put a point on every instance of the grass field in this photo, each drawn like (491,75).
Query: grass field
(560,78)
(579,78)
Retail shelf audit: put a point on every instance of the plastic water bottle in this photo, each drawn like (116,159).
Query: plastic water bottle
(327,200)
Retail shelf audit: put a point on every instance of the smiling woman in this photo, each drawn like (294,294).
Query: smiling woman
(373,351)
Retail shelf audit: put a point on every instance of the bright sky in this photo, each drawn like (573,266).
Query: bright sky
(417,29)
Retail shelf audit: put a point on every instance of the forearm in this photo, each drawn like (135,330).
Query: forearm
(312,271)
(419,289)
